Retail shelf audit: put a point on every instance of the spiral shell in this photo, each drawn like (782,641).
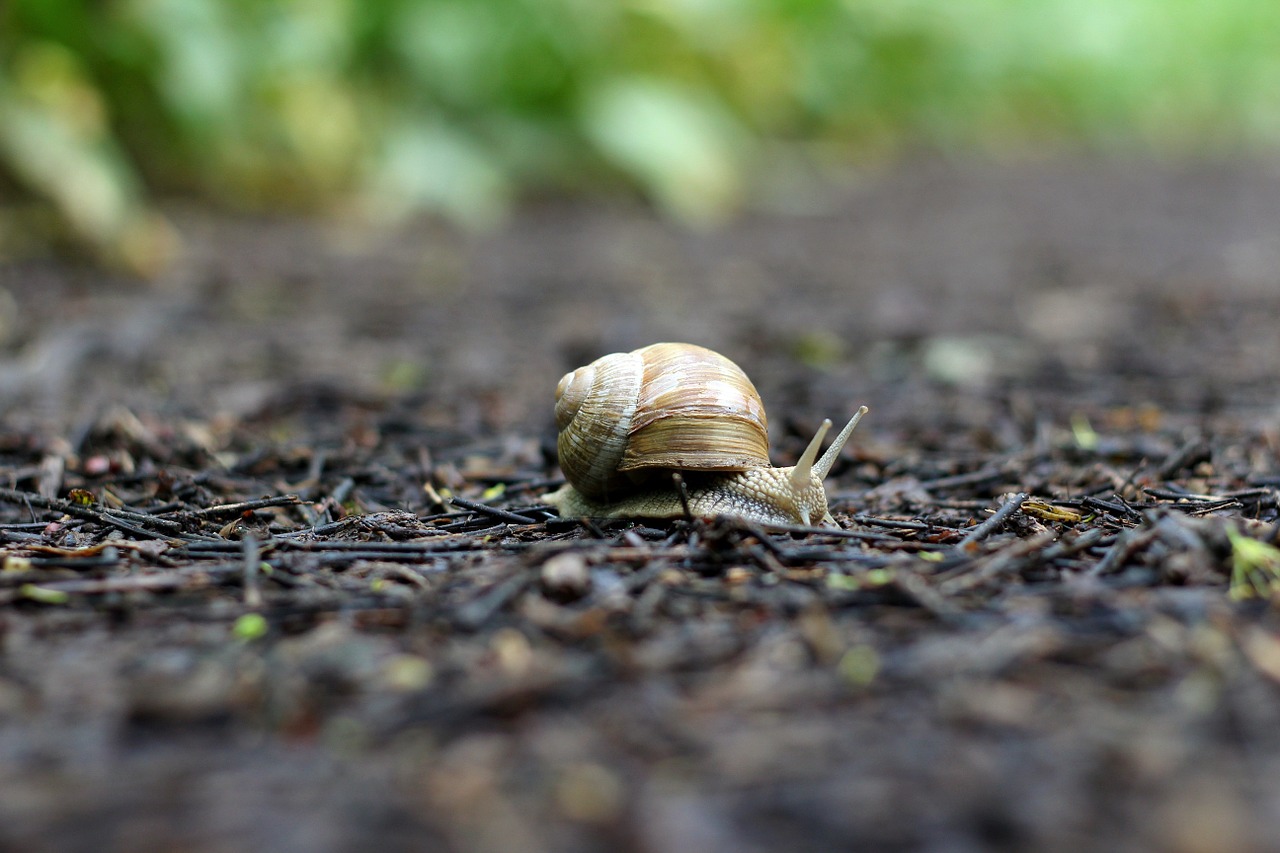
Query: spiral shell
(667,406)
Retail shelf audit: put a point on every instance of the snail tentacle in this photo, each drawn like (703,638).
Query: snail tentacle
(823,468)
(804,466)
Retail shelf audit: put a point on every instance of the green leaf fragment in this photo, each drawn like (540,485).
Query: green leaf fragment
(1255,567)
(879,577)
(14,564)
(43,594)
(1083,433)
(250,626)
(836,580)
(859,665)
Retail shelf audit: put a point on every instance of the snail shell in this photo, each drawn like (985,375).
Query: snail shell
(679,407)
(666,406)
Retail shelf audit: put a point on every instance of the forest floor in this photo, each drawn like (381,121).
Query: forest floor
(234,613)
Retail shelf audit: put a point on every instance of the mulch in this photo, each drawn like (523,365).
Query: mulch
(276,571)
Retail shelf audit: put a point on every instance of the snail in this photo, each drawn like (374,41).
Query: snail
(628,420)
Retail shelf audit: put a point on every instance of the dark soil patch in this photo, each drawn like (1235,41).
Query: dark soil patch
(231,615)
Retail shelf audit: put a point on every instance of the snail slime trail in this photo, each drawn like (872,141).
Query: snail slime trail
(627,420)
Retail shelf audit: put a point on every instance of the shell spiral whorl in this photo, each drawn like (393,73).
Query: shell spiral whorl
(595,406)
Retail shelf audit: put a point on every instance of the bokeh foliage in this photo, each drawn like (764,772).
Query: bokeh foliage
(387,107)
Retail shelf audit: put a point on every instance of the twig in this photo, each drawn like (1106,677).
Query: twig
(252,589)
(1083,542)
(97,557)
(492,512)
(1120,510)
(992,524)
(916,588)
(835,532)
(1128,543)
(998,563)
(1133,475)
(144,520)
(1206,508)
(229,510)
(1194,451)
(26,525)
(342,491)
(13,496)
(891,523)
(320,530)
(1182,497)
(366,550)
(973,478)
(100,586)
(52,469)
(479,610)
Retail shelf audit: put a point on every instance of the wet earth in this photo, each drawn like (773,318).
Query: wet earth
(239,610)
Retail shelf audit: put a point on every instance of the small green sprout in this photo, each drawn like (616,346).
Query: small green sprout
(14,564)
(878,577)
(839,580)
(250,626)
(859,665)
(870,579)
(43,594)
(1082,431)
(1255,567)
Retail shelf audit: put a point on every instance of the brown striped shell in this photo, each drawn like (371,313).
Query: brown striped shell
(666,406)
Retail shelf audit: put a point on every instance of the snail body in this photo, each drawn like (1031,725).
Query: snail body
(628,421)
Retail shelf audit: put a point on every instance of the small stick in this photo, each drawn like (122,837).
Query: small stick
(1083,542)
(1133,475)
(1128,543)
(973,478)
(473,614)
(101,586)
(992,524)
(435,546)
(834,532)
(52,469)
(1116,510)
(892,524)
(1194,451)
(227,510)
(252,589)
(926,597)
(30,500)
(145,520)
(492,512)
(1006,560)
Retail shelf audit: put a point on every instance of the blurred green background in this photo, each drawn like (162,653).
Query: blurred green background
(384,108)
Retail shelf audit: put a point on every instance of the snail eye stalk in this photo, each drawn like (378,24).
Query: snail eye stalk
(823,468)
(800,473)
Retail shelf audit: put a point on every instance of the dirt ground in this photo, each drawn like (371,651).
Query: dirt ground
(192,658)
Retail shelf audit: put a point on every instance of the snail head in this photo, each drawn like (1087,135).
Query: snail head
(806,476)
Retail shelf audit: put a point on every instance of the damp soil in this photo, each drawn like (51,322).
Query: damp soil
(238,609)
